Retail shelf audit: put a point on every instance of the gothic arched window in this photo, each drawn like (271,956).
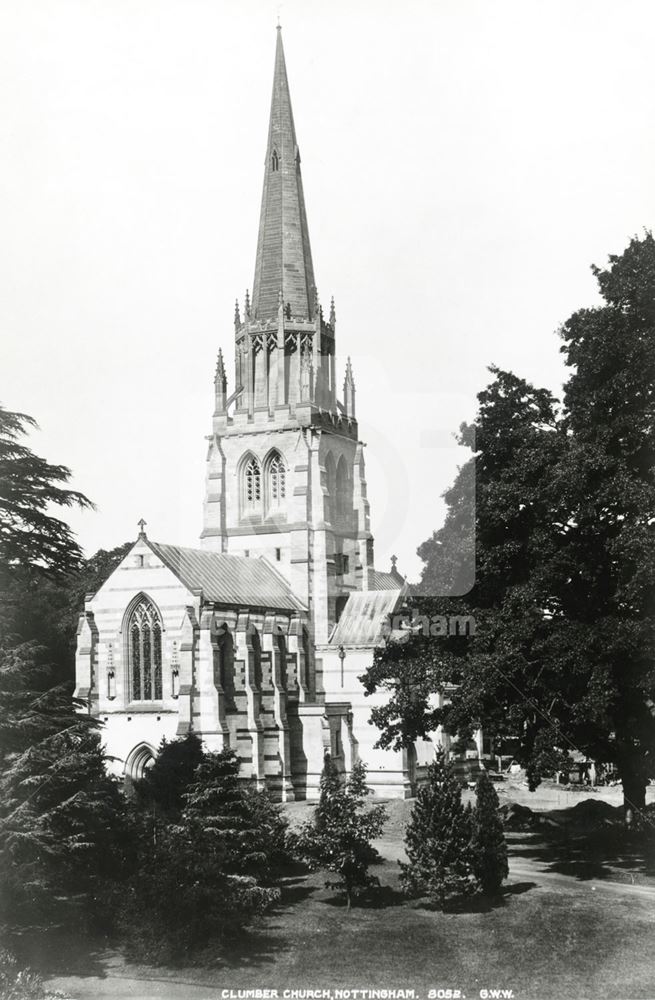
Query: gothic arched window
(144,656)
(277,480)
(342,487)
(252,484)
(275,160)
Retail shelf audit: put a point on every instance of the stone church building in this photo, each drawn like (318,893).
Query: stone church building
(256,639)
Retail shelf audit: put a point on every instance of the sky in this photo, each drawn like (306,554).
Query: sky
(464,163)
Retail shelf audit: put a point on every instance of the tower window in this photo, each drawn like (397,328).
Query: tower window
(252,484)
(277,476)
(144,655)
(275,160)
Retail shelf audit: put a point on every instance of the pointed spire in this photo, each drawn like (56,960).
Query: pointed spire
(246,304)
(220,367)
(349,390)
(333,314)
(284,257)
(220,384)
(237,315)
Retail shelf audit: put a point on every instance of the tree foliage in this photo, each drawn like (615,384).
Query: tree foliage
(488,845)
(338,838)
(437,838)
(165,784)
(564,597)
(62,819)
(201,880)
(29,486)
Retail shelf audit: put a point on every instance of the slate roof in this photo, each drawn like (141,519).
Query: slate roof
(363,620)
(225,579)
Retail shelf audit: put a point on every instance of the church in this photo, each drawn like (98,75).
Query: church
(256,639)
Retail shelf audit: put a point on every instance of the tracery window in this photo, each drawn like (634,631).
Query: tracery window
(144,638)
(277,477)
(252,493)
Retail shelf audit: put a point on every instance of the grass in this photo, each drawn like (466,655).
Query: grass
(548,937)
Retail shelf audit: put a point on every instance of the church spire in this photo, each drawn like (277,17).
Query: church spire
(284,256)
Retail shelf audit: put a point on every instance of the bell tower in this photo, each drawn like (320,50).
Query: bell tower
(285,467)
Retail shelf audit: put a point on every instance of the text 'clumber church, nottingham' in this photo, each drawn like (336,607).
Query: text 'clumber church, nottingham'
(256,640)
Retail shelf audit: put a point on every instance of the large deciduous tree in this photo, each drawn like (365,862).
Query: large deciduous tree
(563,656)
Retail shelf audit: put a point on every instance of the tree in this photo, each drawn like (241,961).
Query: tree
(437,838)
(165,784)
(564,594)
(62,821)
(488,846)
(339,836)
(249,827)
(29,486)
(202,879)
(45,607)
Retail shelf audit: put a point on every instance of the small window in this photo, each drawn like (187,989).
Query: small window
(275,160)
(246,553)
(341,563)
(278,554)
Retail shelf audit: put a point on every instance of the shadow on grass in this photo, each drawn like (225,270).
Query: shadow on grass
(375,899)
(477,903)
(53,954)
(599,854)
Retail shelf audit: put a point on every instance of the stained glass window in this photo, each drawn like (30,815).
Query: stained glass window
(145,652)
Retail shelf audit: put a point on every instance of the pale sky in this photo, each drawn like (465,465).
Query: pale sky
(464,164)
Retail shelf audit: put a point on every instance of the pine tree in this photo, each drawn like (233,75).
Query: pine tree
(339,836)
(437,838)
(488,846)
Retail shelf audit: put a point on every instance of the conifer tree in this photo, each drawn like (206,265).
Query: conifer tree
(488,846)
(339,836)
(202,879)
(62,818)
(437,838)
(165,783)
(248,826)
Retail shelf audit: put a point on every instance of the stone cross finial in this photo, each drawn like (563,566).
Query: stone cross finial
(394,560)
(142,525)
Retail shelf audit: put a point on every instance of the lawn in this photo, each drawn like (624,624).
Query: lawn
(555,933)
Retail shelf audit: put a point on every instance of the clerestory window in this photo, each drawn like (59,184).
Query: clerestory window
(144,638)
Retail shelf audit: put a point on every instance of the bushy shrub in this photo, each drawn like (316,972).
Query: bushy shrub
(338,838)
(19,983)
